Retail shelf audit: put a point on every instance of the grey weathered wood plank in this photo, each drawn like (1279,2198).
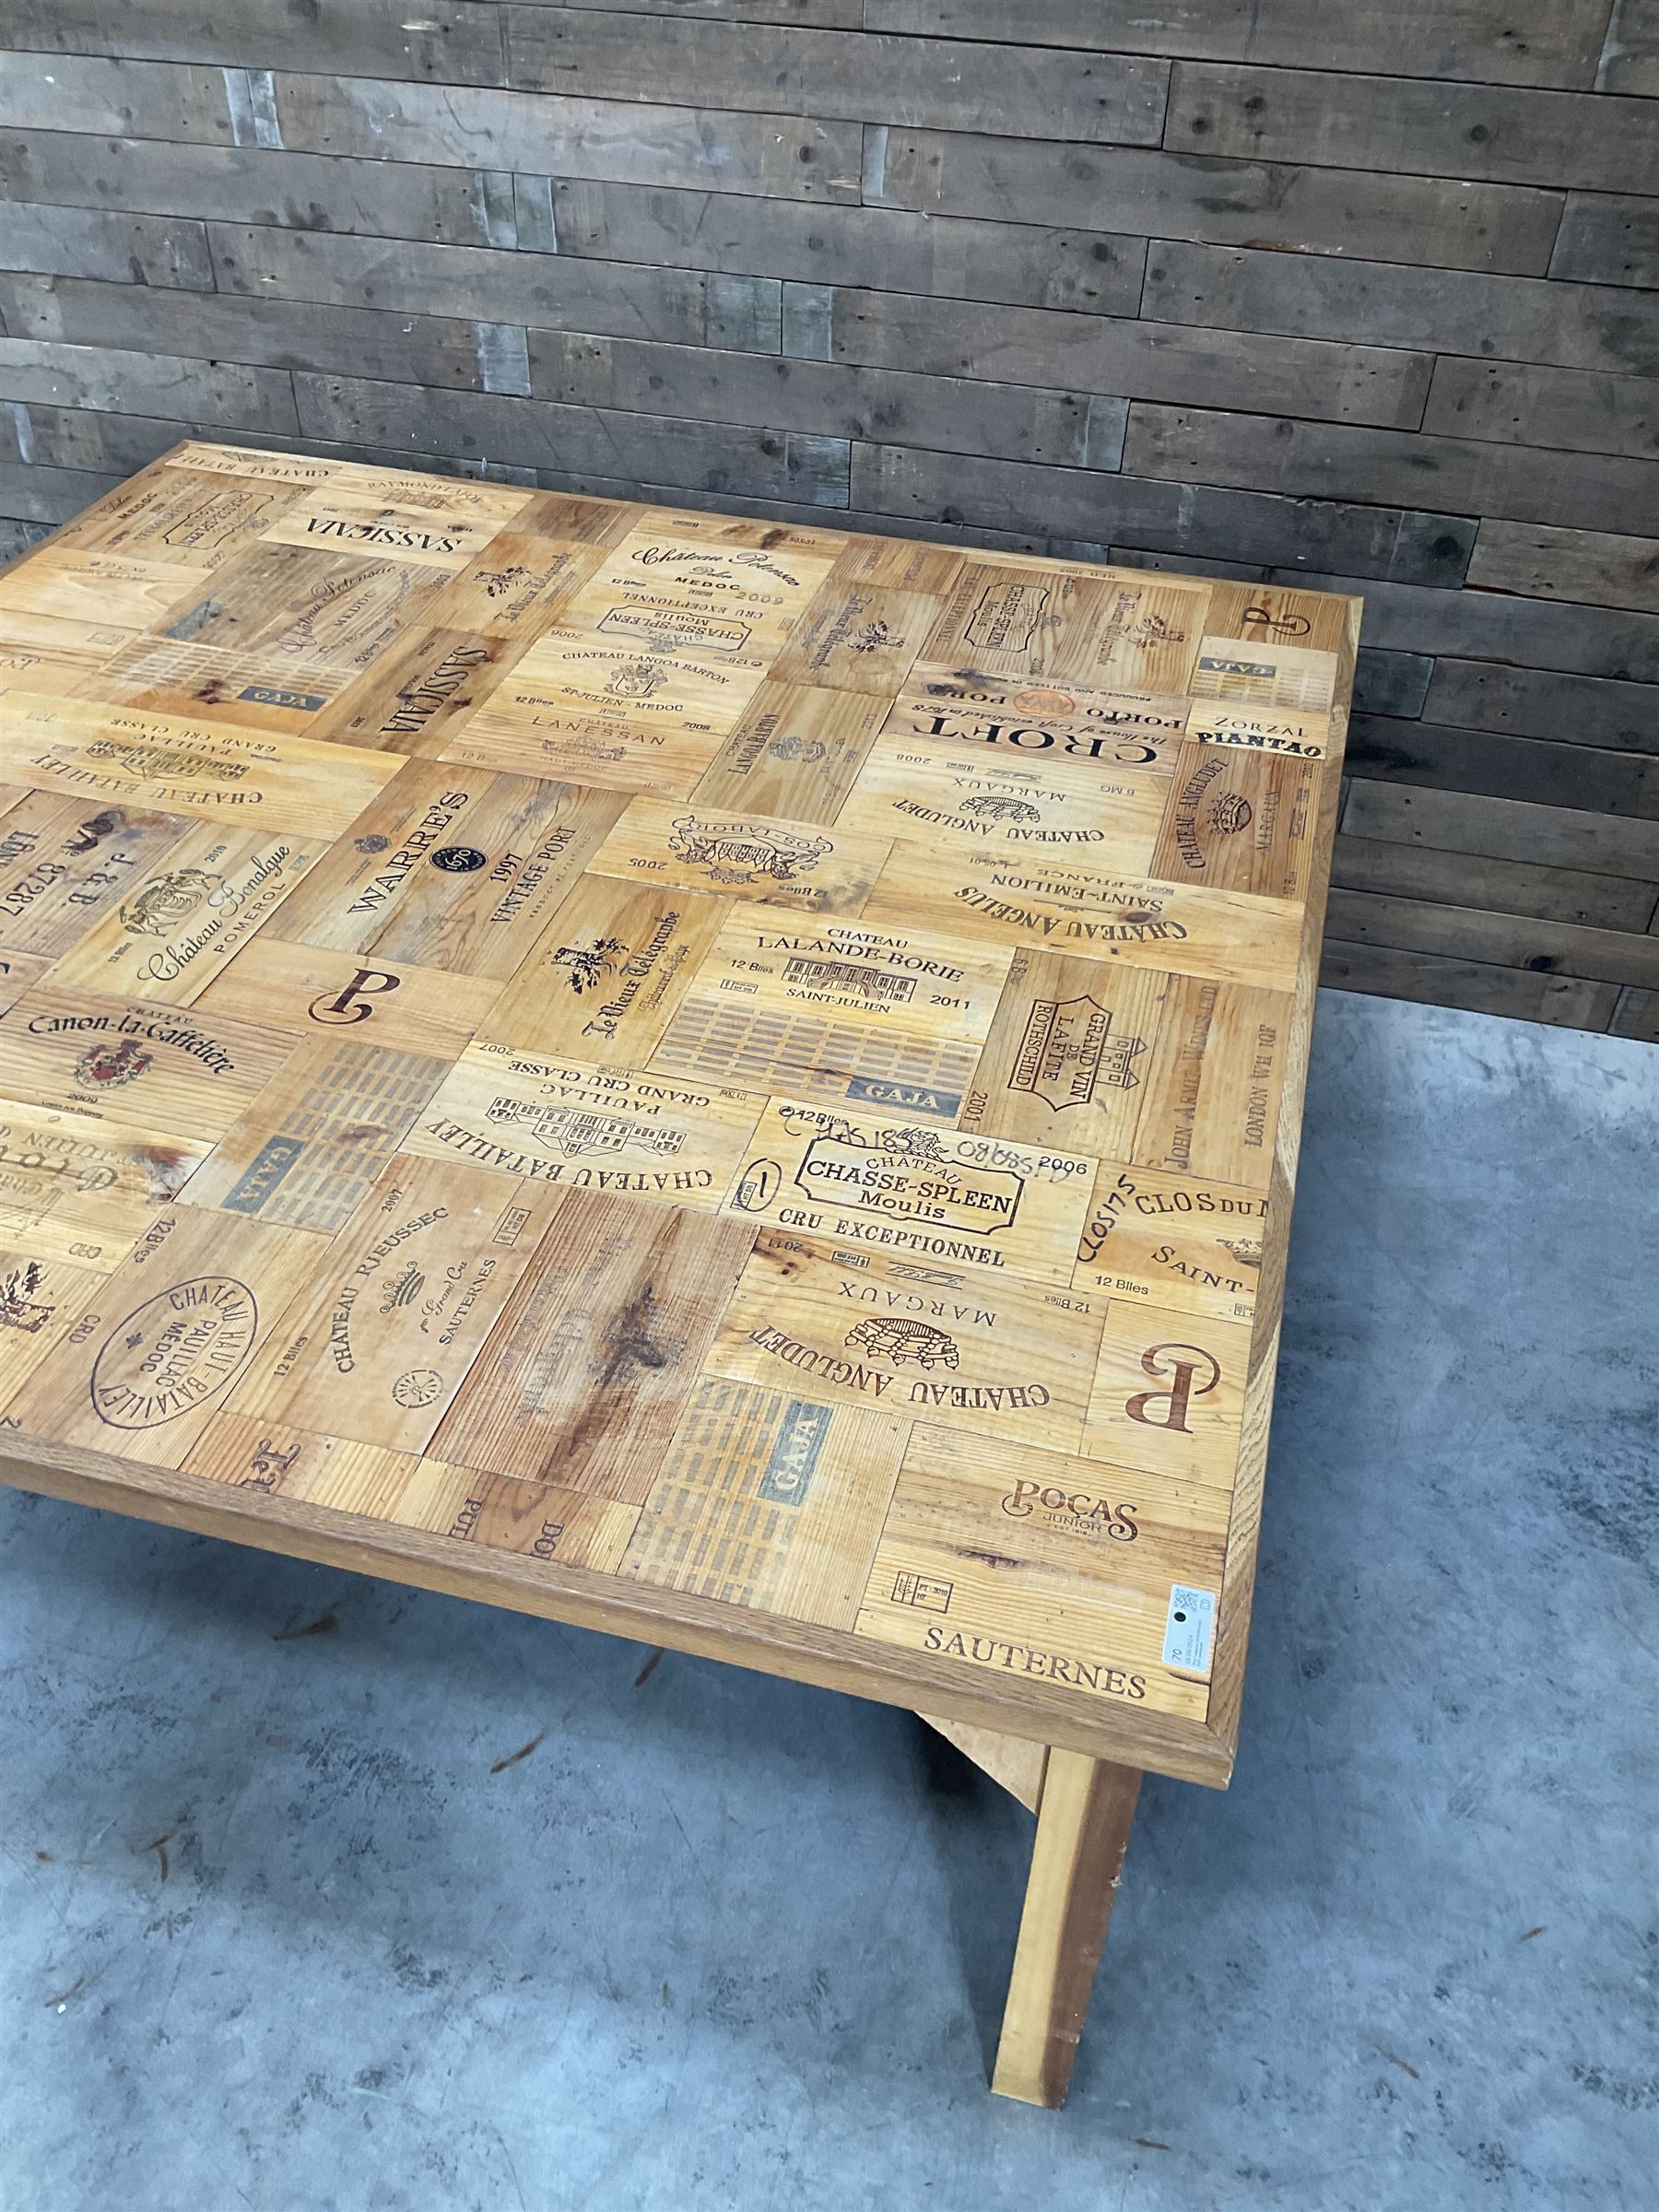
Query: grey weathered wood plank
(1453,224)
(30,493)
(17,538)
(1095,272)
(538,434)
(1595,566)
(1608,240)
(1541,702)
(1543,772)
(227,395)
(1516,993)
(458,42)
(781,157)
(1342,460)
(1412,125)
(82,438)
(1204,564)
(1630,63)
(1501,829)
(280,334)
(1599,956)
(1572,408)
(1637,1015)
(1083,508)
(247,184)
(827,14)
(949,413)
(1387,303)
(1083,94)
(1487,625)
(1390,683)
(1470,624)
(1508,886)
(133,99)
(1549,43)
(91,241)
(1135,359)
(683,306)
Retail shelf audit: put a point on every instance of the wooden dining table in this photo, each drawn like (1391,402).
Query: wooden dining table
(725,1081)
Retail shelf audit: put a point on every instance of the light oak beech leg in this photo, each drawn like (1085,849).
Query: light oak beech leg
(1082,1834)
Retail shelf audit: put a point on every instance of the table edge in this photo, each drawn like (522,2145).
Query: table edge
(825,1658)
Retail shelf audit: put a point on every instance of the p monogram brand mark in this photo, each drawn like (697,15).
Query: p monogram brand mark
(354,1004)
(1260,618)
(1185,1361)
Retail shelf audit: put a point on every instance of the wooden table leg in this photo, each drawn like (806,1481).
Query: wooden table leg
(1082,1834)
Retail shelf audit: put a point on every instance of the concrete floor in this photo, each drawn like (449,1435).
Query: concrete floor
(720,1942)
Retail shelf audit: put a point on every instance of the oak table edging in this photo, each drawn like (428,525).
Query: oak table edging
(453,1567)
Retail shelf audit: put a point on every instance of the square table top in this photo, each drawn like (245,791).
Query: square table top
(732,1083)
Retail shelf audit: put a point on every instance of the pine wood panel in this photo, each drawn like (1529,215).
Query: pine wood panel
(837,1218)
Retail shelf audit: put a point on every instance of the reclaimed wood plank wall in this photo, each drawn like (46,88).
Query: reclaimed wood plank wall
(1270,289)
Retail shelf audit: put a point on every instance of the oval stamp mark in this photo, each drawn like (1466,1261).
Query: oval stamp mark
(174,1352)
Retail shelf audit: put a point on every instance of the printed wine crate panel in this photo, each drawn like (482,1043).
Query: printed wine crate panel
(732,1083)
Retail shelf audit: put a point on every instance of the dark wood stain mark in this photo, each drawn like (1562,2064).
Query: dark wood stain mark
(524,1751)
(326,1623)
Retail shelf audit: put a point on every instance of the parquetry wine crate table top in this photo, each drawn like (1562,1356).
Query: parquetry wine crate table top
(732,1083)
